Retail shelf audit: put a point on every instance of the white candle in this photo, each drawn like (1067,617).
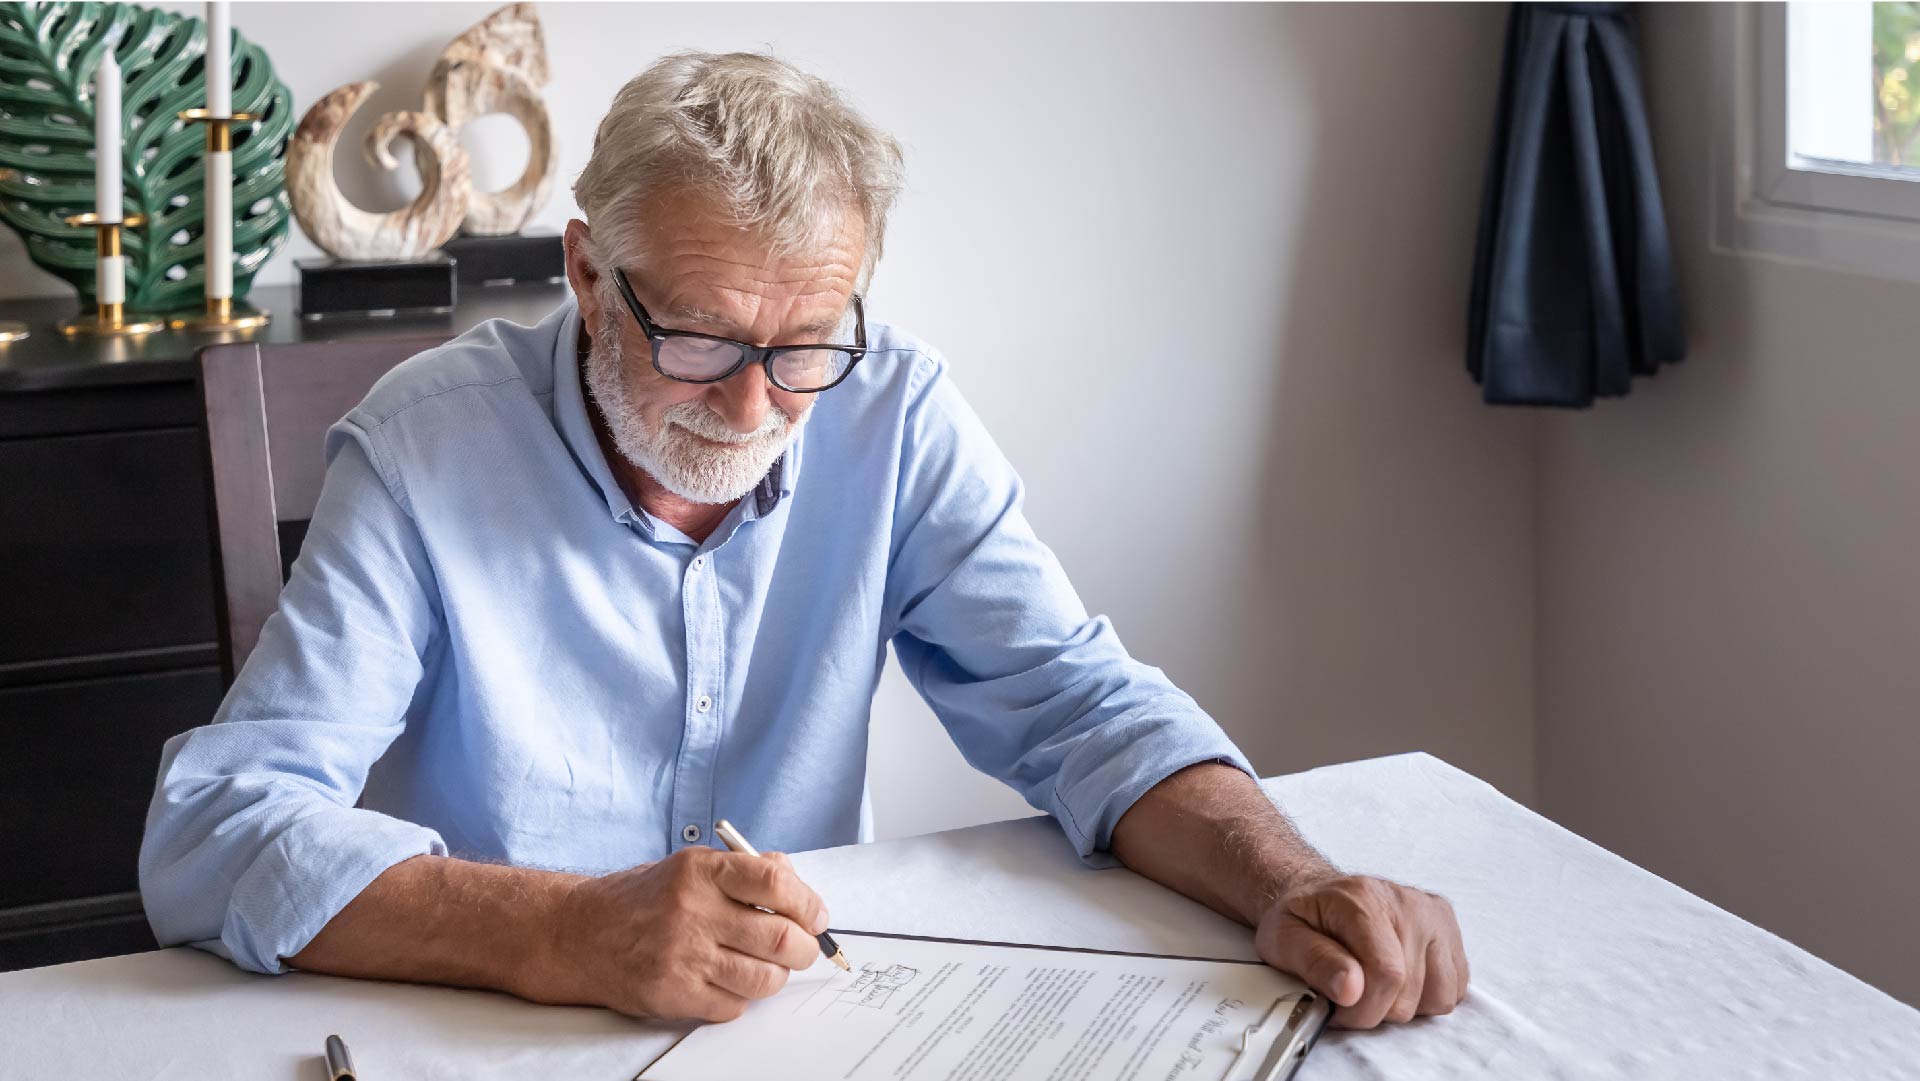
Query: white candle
(218,238)
(219,234)
(219,69)
(110,272)
(106,138)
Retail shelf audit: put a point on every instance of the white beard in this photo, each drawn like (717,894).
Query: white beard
(676,455)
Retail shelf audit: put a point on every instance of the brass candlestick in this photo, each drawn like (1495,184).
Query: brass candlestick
(222,312)
(12,330)
(110,317)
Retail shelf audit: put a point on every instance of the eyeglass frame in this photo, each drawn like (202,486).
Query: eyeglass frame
(749,354)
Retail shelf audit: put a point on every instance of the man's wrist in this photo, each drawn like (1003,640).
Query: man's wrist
(547,968)
(1282,869)
(1211,833)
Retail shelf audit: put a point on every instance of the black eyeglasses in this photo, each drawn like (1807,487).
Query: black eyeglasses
(692,357)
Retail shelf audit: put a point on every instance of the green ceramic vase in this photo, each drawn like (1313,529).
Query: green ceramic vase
(48,52)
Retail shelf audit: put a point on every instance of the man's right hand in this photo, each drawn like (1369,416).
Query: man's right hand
(679,939)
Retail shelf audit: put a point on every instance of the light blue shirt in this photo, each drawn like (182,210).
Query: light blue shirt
(498,656)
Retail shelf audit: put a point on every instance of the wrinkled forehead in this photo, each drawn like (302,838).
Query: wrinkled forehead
(701,272)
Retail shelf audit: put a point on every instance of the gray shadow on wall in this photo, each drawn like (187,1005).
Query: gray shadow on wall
(1397,614)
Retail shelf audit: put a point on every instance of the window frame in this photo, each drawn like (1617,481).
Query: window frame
(1841,186)
(1842,215)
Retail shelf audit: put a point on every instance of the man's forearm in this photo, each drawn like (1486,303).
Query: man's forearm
(433,919)
(1210,833)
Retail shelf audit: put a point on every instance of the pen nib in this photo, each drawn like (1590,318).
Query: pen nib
(841,960)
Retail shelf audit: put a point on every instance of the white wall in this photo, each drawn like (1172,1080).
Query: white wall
(1299,508)
(1728,583)
(1202,269)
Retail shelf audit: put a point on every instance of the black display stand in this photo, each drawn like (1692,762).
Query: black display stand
(518,259)
(350,288)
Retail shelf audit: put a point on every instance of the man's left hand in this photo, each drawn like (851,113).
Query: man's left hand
(1379,950)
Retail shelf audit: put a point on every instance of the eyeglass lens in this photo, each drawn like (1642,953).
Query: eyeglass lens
(801,369)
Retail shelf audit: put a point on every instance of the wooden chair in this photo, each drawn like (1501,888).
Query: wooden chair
(268,408)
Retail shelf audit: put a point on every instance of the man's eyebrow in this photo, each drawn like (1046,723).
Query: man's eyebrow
(691,315)
(687,313)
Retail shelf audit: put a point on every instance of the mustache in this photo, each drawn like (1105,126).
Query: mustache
(702,421)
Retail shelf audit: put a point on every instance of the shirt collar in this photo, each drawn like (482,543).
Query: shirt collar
(576,429)
(778,483)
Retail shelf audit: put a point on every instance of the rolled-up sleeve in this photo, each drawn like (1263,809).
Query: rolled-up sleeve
(253,841)
(993,636)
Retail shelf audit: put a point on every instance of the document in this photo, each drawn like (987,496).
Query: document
(933,1010)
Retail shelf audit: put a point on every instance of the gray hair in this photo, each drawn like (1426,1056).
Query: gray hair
(773,149)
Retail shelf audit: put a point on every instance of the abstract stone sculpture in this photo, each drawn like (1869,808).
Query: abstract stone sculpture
(499,66)
(347,232)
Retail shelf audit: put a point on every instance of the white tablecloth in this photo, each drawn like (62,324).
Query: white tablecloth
(1584,966)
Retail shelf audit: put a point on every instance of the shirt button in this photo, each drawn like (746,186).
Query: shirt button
(699,561)
(702,704)
(690,834)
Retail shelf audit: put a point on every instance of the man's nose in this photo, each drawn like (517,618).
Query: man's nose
(742,401)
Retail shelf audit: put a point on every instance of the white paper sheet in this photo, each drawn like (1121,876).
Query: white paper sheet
(914,1009)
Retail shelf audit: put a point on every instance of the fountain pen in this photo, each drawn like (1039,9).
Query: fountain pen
(733,839)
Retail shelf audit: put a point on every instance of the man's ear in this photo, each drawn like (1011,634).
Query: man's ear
(577,241)
(581,273)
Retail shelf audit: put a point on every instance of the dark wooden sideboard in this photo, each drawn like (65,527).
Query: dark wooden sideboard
(107,632)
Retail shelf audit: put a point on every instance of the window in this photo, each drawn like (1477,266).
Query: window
(1853,81)
(1830,169)
(1851,117)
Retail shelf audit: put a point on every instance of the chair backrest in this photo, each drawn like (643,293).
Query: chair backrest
(268,408)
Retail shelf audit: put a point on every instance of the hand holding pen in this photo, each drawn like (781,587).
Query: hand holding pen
(736,841)
(694,936)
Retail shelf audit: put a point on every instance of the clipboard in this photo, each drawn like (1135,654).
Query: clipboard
(1271,1049)
(1306,1016)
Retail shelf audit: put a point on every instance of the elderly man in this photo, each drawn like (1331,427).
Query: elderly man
(580,589)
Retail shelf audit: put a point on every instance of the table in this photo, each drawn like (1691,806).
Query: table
(1584,966)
